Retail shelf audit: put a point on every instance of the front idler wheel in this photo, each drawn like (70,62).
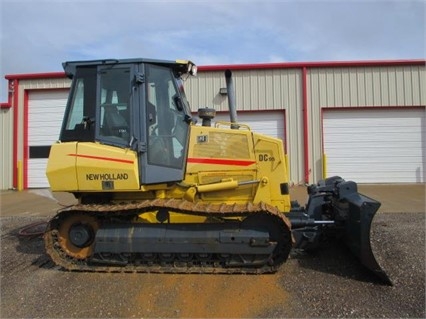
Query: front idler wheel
(81,235)
(77,235)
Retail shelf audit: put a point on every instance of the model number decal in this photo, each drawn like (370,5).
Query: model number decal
(266,158)
(202,138)
(107,177)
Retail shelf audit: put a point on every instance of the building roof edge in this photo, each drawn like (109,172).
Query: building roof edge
(251,66)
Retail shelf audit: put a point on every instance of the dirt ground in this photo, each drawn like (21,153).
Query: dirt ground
(327,283)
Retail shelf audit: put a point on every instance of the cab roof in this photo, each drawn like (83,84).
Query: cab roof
(181,66)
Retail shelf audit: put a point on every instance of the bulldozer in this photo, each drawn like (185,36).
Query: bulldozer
(159,193)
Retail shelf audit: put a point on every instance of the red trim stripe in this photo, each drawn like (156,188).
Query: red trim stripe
(319,64)
(5,105)
(31,76)
(110,159)
(218,161)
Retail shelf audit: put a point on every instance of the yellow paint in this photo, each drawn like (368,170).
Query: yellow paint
(20,176)
(287,164)
(223,166)
(324,166)
(86,166)
(61,171)
(225,184)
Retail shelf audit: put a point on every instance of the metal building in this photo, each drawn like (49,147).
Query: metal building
(365,120)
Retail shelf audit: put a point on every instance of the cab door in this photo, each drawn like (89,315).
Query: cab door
(165,129)
(110,163)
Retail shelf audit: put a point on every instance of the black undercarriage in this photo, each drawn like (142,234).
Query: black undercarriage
(94,240)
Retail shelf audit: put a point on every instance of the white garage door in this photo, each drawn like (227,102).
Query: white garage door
(45,112)
(376,146)
(268,123)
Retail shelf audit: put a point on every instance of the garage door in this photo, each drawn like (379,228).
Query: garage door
(45,112)
(376,146)
(268,123)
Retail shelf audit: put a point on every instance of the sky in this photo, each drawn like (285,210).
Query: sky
(38,35)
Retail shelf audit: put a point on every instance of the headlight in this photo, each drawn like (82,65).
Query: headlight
(192,69)
(186,66)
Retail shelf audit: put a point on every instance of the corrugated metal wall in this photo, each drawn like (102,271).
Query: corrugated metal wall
(39,84)
(6,148)
(358,87)
(257,90)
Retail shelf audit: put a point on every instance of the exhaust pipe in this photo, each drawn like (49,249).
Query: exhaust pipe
(231,99)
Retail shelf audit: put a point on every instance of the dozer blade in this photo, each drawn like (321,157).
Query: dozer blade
(360,211)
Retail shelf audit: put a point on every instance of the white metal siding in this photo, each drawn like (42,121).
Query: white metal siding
(255,90)
(6,148)
(45,112)
(376,146)
(45,84)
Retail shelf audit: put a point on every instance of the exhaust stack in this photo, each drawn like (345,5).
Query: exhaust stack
(231,99)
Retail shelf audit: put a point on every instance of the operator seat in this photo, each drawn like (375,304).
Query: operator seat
(114,123)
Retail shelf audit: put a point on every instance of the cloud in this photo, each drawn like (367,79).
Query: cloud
(37,35)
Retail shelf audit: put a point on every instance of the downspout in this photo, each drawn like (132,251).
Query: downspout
(13,98)
(26,155)
(305,123)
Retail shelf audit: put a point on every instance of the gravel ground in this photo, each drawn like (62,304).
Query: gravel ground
(329,283)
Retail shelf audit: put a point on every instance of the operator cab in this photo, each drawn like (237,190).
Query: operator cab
(135,104)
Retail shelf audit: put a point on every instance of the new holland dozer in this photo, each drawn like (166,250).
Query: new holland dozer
(159,193)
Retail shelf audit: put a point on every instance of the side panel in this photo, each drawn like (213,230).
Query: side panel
(216,155)
(255,161)
(272,171)
(213,149)
(106,168)
(61,171)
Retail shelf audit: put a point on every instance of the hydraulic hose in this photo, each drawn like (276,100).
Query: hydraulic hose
(33,230)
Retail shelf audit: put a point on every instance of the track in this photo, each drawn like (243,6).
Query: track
(92,217)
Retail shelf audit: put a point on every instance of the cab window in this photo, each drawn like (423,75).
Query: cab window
(166,126)
(114,105)
(80,112)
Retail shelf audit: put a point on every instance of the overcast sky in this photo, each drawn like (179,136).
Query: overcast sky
(37,36)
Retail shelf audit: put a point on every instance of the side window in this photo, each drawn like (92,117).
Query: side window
(77,111)
(167,130)
(114,105)
(80,113)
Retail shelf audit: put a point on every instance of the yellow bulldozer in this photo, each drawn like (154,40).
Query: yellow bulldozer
(158,192)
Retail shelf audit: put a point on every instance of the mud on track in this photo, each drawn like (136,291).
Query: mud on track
(329,283)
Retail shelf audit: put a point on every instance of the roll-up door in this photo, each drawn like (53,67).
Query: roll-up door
(45,112)
(376,146)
